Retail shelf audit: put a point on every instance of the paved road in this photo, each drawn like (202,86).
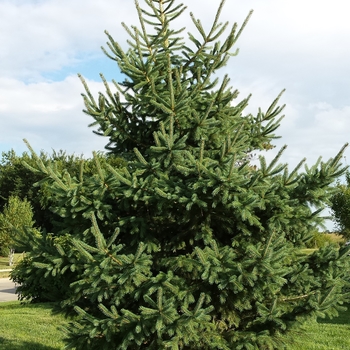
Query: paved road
(7,290)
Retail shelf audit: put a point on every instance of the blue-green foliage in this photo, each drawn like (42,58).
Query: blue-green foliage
(189,245)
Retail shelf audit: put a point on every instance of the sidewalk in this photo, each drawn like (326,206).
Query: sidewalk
(7,290)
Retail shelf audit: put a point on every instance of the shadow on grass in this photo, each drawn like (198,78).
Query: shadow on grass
(343,318)
(6,344)
(26,326)
(19,305)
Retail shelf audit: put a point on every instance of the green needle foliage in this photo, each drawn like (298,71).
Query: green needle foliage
(340,205)
(187,246)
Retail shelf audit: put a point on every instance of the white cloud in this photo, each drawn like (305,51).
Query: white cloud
(315,130)
(37,37)
(299,45)
(48,114)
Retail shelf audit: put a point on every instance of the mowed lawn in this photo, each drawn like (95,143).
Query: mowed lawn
(326,334)
(29,327)
(33,327)
(4,264)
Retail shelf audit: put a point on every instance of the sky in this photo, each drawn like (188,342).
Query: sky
(298,45)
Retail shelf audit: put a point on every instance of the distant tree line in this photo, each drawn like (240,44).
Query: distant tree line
(340,205)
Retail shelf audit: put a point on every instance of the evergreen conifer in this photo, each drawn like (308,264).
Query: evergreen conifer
(188,246)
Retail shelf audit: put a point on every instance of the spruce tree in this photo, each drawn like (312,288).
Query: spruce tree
(189,245)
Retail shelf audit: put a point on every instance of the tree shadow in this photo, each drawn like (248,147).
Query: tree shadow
(343,318)
(8,344)
(9,291)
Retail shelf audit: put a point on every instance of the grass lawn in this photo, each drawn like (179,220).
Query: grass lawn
(29,327)
(4,264)
(33,327)
(326,334)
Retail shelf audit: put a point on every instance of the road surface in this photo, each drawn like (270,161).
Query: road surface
(7,290)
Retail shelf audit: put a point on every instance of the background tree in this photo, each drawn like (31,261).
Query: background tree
(340,206)
(17,179)
(17,215)
(187,246)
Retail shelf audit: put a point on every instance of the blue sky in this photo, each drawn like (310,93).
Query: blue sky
(302,46)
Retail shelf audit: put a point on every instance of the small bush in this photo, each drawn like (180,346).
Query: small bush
(37,284)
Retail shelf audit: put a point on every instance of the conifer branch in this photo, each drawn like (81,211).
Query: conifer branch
(39,162)
(298,297)
(91,97)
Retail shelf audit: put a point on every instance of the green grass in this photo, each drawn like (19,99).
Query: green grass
(4,264)
(29,327)
(4,260)
(33,327)
(325,334)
